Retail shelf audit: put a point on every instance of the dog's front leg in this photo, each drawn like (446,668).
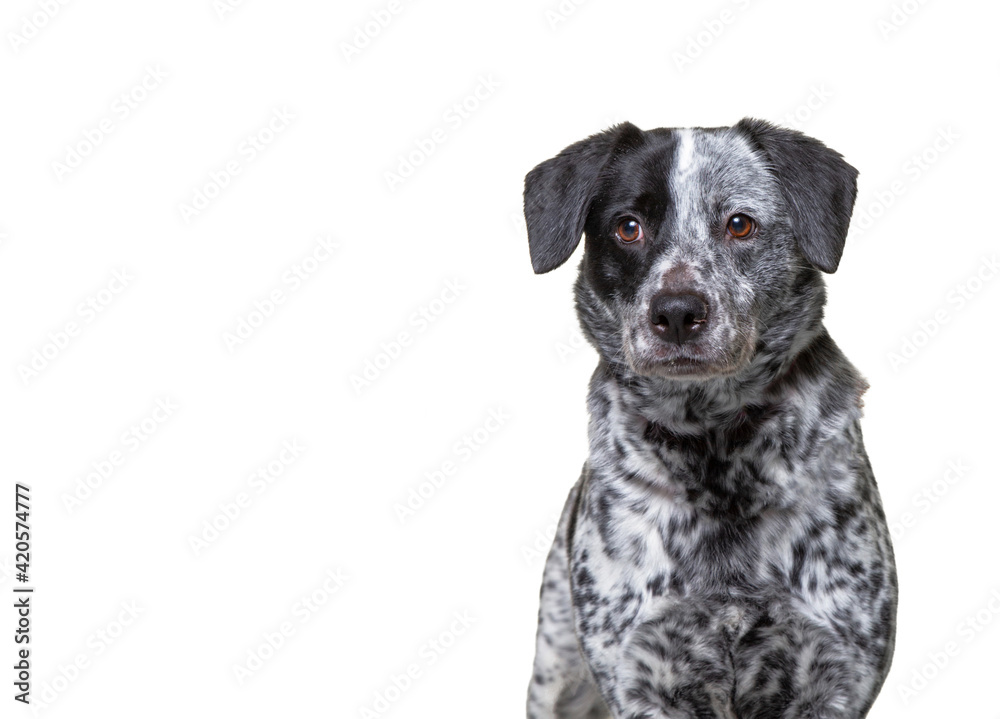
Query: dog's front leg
(653,654)
(677,663)
(794,667)
(561,684)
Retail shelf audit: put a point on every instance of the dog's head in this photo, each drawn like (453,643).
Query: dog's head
(702,245)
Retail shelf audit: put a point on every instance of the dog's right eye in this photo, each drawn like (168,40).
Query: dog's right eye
(629,231)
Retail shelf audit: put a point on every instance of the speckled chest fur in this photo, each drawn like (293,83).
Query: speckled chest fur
(725,552)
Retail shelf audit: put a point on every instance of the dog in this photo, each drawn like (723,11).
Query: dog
(725,552)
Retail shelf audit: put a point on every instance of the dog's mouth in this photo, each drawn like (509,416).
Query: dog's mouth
(681,367)
(698,360)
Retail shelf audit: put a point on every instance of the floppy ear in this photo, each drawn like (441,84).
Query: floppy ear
(558,193)
(818,185)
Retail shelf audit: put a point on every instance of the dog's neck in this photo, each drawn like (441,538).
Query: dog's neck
(771,381)
(728,445)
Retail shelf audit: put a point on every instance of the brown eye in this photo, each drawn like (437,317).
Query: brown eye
(740,226)
(629,231)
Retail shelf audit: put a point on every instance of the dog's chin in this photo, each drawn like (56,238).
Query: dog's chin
(683,362)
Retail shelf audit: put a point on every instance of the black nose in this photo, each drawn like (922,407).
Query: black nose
(678,318)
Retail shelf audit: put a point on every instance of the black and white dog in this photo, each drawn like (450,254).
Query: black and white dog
(725,552)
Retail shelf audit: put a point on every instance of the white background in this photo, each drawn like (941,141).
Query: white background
(879,84)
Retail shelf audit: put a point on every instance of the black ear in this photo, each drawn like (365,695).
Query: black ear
(558,193)
(818,185)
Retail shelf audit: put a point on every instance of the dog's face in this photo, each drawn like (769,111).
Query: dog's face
(695,238)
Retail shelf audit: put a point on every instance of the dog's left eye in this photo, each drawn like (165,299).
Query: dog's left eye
(629,231)
(740,226)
